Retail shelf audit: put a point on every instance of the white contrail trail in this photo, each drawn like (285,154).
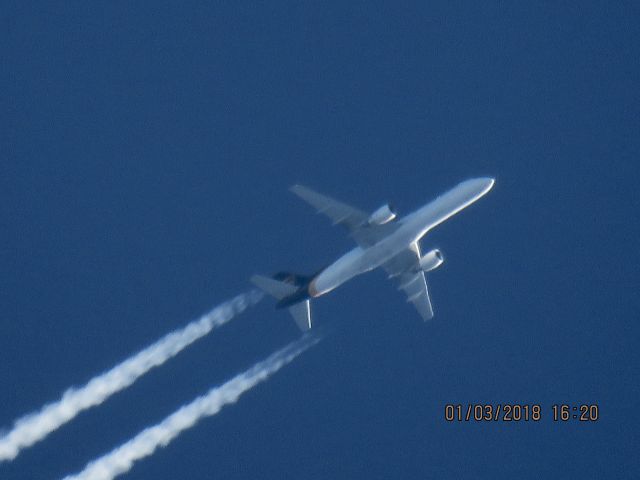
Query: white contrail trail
(36,426)
(122,458)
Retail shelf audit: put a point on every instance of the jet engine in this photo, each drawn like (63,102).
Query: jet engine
(431,260)
(383,215)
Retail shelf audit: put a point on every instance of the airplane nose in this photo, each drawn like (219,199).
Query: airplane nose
(485,183)
(478,186)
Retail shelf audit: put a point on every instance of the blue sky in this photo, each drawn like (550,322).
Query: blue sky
(147,152)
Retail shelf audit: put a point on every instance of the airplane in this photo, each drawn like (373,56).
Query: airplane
(383,241)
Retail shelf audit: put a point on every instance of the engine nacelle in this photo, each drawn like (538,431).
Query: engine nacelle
(431,260)
(383,215)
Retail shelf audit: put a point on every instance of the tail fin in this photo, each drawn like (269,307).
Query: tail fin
(301,312)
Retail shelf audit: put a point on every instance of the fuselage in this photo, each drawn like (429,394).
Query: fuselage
(411,229)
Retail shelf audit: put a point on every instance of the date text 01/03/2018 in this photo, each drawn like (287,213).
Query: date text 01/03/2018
(519,412)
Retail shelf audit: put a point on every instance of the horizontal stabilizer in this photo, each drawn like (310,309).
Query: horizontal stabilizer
(273,287)
(301,313)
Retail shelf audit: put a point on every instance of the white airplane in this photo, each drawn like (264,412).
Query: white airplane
(383,241)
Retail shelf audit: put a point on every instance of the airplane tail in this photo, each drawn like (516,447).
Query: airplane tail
(293,278)
(284,286)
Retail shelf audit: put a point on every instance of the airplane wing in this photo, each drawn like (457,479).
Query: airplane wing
(354,220)
(404,270)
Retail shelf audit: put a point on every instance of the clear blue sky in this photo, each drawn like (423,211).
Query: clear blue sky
(146,153)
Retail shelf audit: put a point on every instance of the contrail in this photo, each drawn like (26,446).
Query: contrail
(37,425)
(122,458)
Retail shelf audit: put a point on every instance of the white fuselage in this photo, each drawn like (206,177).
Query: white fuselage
(412,228)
